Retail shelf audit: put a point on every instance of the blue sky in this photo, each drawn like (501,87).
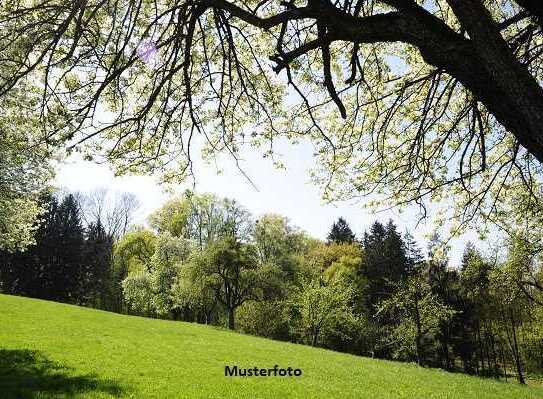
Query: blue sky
(287,192)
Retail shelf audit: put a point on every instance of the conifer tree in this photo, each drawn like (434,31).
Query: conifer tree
(341,232)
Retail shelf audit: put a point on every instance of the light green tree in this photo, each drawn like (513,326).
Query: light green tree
(203,218)
(409,101)
(25,171)
(319,307)
(149,288)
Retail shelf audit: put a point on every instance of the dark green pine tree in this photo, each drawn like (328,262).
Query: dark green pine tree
(28,273)
(51,269)
(96,270)
(341,232)
(384,261)
(395,254)
(66,241)
(413,254)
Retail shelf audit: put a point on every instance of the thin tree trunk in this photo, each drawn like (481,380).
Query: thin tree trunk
(516,350)
(418,345)
(231,319)
(315,337)
(481,353)
(504,363)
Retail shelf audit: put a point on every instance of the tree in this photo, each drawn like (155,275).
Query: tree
(278,243)
(203,218)
(96,273)
(524,262)
(138,292)
(170,255)
(232,273)
(191,290)
(453,112)
(413,254)
(151,287)
(319,307)
(419,314)
(131,254)
(114,210)
(478,313)
(54,267)
(24,173)
(511,308)
(63,248)
(384,263)
(134,250)
(341,232)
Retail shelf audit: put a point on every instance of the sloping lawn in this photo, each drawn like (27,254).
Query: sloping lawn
(52,350)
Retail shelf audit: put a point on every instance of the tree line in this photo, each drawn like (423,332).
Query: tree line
(205,259)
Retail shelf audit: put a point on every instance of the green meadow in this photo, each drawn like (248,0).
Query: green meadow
(52,350)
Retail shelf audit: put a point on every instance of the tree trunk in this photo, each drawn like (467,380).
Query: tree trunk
(502,83)
(481,352)
(516,352)
(231,319)
(418,345)
(314,338)
(504,363)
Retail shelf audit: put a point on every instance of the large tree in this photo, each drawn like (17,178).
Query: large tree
(232,272)
(429,94)
(384,263)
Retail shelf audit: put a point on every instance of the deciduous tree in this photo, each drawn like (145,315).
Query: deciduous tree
(440,97)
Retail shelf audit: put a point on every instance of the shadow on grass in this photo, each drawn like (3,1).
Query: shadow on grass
(28,374)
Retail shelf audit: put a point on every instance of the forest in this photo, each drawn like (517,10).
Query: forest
(206,259)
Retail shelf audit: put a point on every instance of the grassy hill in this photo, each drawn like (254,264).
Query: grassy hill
(49,349)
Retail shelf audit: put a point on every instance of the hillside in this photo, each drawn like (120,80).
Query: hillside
(49,349)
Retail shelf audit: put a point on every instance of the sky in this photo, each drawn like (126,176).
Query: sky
(288,192)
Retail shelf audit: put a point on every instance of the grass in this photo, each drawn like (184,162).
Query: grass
(52,350)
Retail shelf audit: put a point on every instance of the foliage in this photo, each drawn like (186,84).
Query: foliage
(384,261)
(150,289)
(67,263)
(203,218)
(192,290)
(418,315)
(322,256)
(390,113)
(268,319)
(277,242)
(232,273)
(320,307)
(25,171)
(341,232)
(134,250)
(379,297)
(138,291)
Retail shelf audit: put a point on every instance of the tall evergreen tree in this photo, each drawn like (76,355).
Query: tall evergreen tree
(341,232)
(51,269)
(67,241)
(413,255)
(384,261)
(96,273)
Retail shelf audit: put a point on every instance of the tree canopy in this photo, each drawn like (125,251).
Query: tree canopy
(425,94)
